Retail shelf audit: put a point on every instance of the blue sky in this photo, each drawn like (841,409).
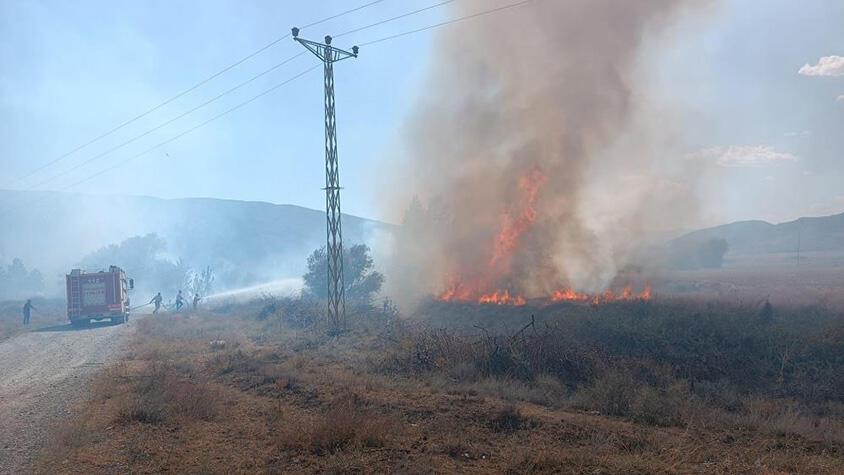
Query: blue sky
(71,70)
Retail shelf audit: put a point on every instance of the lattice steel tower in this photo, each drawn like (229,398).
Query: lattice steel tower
(334,230)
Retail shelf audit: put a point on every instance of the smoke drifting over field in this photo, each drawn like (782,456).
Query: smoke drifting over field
(534,153)
(159,241)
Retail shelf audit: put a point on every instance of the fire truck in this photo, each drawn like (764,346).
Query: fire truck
(98,296)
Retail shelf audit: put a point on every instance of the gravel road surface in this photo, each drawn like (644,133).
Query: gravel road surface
(42,374)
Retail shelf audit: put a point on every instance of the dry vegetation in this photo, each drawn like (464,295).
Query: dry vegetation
(669,387)
(47,312)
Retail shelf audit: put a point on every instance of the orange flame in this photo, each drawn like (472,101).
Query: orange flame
(626,294)
(502,298)
(512,228)
(515,222)
(462,293)
(459,293)
(568,295)
(485,288)
(456,292)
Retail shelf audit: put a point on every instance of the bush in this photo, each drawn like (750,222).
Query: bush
(509,419)
(159,393)
(671,363)
(146,410)
(417,351)
(652,406)
(346,424)
(298,313)
(611,394)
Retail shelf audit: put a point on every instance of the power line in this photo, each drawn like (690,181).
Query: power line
(437,25)
(188,90)
(174,138)
(198,126)
(388,20)
(272,68)
(335,16)
(447,22)
(166,123)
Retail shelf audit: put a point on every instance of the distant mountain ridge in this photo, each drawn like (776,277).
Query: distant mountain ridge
(754,237)
(53,231)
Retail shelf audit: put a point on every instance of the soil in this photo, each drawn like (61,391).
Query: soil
(43,373)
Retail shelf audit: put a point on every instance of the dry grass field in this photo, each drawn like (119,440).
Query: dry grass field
(811,278)
(659,387)
(47,312)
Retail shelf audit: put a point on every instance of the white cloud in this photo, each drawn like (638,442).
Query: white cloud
(840,98)
(827,66)
(743,156)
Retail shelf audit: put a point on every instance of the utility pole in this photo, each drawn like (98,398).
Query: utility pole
(333,228)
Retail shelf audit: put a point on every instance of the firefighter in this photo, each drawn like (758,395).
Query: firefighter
(180,301)
(27,311)
(157,301)
(196,300)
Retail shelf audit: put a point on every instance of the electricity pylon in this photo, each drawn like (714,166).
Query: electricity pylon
(334,230)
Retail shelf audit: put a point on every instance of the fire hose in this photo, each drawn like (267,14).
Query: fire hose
(140,306)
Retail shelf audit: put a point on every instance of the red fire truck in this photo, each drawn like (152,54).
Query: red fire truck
(98,295)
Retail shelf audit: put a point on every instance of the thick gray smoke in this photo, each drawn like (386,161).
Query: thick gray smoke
(534,152)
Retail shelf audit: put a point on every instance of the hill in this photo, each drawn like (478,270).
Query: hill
(53,231)
(757,237)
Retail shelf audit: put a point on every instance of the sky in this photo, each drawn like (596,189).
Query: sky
(756,83)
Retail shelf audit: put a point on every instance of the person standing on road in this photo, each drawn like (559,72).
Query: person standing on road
(180,300)
(157,301)
(27,311)
(196,300)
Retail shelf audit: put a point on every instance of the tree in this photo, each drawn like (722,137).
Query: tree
(200,283)
(141,258)
(138,255)
(18,282)
(361,281)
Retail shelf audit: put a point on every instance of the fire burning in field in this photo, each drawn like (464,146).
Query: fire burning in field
(517,221)
(503,297)
(528,187)
(489,285)
(626,294)
(485,286)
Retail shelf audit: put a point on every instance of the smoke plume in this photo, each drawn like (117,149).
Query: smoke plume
(529,158)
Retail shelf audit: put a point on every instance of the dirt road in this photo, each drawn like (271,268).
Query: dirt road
(42,374)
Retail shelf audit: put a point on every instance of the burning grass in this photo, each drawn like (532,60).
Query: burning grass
(566,295)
